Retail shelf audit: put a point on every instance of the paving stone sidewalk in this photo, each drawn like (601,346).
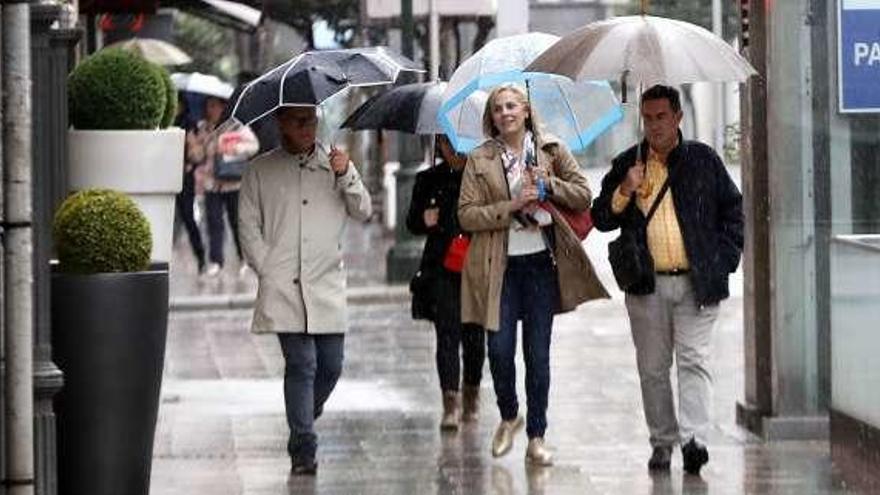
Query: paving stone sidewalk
(222,428)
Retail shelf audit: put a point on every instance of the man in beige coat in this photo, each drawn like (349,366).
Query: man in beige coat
(295,202)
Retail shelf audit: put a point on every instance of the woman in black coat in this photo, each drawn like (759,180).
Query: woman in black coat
(437,290)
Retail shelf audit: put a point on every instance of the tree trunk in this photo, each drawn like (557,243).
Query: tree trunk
(448,47)
(484,27)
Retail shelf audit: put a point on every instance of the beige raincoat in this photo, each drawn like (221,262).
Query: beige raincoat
(292,216)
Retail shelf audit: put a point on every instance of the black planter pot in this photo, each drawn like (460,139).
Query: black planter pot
(108,337)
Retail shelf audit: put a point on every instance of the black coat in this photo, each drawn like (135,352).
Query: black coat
(441,183)
(709,210)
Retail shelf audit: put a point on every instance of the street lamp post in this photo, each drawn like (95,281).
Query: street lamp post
(403,258)
(52,49)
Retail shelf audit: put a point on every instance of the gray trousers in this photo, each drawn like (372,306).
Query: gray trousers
(666,323)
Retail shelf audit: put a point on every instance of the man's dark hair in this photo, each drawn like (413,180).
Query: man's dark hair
(660,92)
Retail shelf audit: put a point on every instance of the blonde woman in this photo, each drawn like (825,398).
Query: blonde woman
(524,264)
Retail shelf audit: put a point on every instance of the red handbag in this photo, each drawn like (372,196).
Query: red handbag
(581,222)
(456,253)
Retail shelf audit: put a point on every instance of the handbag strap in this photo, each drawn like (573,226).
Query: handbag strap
(657,201)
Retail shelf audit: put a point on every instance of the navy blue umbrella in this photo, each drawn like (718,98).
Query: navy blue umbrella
(311,78)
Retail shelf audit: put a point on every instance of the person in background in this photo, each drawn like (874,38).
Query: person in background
(185,201)
(208,148)
(524,262)
(433,212)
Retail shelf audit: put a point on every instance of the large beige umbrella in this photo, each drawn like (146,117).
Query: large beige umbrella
(646,50)
(156,51)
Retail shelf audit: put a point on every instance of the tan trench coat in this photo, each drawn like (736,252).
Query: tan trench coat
(292,215)
(483,211)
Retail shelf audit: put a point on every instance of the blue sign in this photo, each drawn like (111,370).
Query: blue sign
(859,55)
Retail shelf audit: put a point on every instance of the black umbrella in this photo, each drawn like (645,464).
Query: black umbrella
(409,108)
(311,78)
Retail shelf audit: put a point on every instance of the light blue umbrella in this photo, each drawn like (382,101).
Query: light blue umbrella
(575,112)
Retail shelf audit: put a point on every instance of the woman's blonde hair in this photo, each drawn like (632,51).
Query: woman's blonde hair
(489,129)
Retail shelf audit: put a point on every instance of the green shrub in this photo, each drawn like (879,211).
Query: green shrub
(100,231)
(116,89)
(170,98)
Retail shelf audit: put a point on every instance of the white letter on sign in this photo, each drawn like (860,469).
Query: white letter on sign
(861,51)
(875,54)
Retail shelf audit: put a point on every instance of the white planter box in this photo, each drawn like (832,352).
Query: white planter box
(146,165)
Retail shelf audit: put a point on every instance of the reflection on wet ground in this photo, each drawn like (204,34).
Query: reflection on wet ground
(222,428)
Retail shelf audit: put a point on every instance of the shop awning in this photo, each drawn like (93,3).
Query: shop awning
(236,15)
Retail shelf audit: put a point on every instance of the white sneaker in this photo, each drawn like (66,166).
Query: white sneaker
(213,270)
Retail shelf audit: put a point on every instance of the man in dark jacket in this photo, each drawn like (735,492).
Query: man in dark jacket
(694,240)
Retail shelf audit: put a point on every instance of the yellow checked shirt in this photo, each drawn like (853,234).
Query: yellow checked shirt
(664,234)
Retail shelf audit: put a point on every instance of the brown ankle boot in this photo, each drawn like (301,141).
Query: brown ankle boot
(451,405)
(470,403)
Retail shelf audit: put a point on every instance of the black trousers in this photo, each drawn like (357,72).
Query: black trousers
(184,205)
(456,342)
(216,203)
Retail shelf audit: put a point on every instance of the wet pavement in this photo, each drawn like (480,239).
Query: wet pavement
(222,428)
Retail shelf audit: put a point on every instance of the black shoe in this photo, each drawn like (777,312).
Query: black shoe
(303,468)
(660,458)
(694,456)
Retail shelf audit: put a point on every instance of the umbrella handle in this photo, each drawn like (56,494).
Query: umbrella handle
(643,7)
(534,130)
(331,132)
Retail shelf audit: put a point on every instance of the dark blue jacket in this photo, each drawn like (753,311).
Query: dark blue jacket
(709,210)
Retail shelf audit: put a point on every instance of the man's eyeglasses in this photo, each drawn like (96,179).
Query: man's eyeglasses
(300,121)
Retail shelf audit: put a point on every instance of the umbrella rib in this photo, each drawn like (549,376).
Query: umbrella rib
(248,86)
(574,117)
(284,76)
(393,64)
(657,46)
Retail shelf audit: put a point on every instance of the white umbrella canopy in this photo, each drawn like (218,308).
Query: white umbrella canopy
(575,112)
(156,51)
(205,84)
(497,62)
(490,64)
(644,50)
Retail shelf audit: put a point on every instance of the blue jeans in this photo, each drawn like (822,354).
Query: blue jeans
(312,365)
(531,294)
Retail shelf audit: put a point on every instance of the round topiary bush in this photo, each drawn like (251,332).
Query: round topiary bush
(170,98)
(99,231)
(116,89)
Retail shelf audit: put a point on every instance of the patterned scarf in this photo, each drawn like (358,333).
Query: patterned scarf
(515,165)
